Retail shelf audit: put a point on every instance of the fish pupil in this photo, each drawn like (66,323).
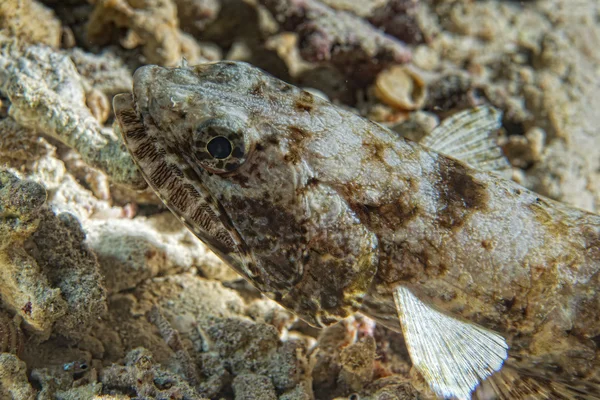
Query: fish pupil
(219,147)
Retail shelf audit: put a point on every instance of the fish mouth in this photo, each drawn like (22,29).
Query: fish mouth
(209,221)
(216,229)
(174,179)
(241,250)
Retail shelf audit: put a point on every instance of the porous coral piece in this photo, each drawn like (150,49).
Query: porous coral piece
(151,23)
(398,18)
(131,251)
(453,91)
(546,78)
(253,387)
(417,125)
(392,388)
(173,340)
(91,391)
(47,95)
(60,381)
(24,151)
(20,203)
(242,347)
(59,249)
(196,15)
(361,8)
(48,275)
(105,71)
(13,379)
(461,19)
(326,357)
(142,376)
(523,151)
(337,37)
(24,286)
(210,322)
(357,362)
(30,21)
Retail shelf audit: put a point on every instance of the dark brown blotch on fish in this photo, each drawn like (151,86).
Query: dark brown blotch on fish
(391,215)
(432,267)
(544,214)
(277,218)
(376,149)
(392,255)
(240,179)
(297,137)
(401,263)
(258,89)
(304,102)
(272,140)
(591,237)
(460,194)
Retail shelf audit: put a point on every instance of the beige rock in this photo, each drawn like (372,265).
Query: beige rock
(30,21)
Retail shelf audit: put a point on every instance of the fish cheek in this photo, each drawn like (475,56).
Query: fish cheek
(276,241)
(333,284)
(320,270)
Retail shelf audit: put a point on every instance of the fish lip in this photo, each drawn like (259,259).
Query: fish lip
(241,248)
(243,258)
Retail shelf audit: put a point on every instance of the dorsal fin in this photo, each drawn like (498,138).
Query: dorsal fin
(469,136)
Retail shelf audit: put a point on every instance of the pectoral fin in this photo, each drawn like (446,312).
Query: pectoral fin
(453,356)
(469,136)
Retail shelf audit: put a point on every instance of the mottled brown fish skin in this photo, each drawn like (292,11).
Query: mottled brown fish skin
(329,212)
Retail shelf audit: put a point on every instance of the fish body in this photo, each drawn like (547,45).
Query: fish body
(330,214)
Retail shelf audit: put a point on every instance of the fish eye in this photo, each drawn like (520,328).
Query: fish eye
(220,144)
(219,147)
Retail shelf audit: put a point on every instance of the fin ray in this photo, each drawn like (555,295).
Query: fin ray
(516,383)
(469,137)
(453,356)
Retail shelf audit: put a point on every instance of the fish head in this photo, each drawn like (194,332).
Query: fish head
(229,128)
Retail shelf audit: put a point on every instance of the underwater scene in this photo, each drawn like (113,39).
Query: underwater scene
(299,199)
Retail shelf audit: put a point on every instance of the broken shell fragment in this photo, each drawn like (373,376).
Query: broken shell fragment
(401,87)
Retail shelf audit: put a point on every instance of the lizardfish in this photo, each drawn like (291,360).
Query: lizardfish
(330,214)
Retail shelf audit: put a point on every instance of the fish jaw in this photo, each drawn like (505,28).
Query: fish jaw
(179,189)
(294,238)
